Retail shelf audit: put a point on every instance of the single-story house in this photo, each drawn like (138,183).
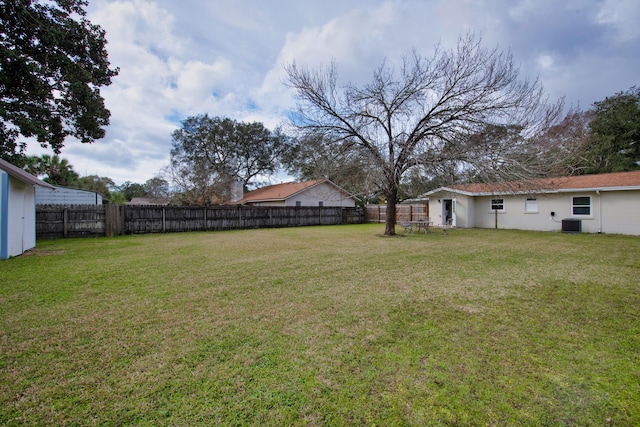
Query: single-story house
(17,209)
(603,203)
(66,196)
(320,192)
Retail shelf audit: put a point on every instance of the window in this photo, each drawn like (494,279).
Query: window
(321,204)
(581,205)
(497,205)
(298,203)
(531,205)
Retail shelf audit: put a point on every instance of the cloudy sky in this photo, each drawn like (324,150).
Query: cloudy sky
(225,57)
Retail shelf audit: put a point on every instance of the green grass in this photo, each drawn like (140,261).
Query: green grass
(323,326)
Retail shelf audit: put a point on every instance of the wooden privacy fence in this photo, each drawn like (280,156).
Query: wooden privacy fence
(56,221)
(404,212)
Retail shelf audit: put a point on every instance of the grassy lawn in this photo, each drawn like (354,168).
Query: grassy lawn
(323,326)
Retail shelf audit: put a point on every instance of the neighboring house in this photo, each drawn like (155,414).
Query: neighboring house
(17,209)
(66,196)
(154,201)
(605,203)
(321,192)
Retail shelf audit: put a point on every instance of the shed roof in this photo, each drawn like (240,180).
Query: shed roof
(22,175)
(603,182)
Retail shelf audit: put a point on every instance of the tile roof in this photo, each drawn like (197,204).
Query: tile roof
(22,175)
(616,180)
(278,191)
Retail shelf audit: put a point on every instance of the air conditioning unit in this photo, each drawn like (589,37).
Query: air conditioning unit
(571,225)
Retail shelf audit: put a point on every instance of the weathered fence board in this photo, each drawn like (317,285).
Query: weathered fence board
(55,221)
(404,212)
(69,221)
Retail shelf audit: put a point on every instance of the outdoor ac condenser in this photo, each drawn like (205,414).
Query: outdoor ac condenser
(571,225)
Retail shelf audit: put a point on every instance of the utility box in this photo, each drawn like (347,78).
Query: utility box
(571,225)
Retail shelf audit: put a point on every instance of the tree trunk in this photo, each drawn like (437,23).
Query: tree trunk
(390,223)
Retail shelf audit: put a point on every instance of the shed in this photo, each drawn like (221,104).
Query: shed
(17,209)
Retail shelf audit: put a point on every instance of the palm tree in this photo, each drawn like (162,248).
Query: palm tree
(58,171)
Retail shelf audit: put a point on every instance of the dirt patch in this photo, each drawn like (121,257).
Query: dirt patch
(39,252)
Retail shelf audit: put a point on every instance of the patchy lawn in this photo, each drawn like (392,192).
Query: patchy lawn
(323,326)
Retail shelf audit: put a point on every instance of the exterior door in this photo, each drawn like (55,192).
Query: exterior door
(449,212)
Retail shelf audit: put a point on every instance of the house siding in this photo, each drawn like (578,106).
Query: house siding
(463,211)
(514,216)
(620,212)
(66,196)
(326,193)
(268,203)
(616,212)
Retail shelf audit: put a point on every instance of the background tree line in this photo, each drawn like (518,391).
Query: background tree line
(209,153)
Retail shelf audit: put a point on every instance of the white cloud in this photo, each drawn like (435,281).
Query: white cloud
(179,59)
(352,40)
(546,61)
(157,85)
(623,16)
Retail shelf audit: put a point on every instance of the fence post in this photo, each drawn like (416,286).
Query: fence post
(108,221)
(164,220)
(113,220)
(122,224)
(65,222)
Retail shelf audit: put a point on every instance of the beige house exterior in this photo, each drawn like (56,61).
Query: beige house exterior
(320,192)
(605,203)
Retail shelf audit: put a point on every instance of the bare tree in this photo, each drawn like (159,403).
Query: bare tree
(567,143)
(424,113)
(317,157)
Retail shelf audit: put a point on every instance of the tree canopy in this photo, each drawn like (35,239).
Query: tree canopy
(53,62)
(316,157)
(55,170)
(426,112)
(614,140)
(210,153)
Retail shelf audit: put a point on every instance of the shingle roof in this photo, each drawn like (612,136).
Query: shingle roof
(616,180)
(22,175)
(278,191)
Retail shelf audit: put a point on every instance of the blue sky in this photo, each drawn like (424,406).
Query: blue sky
(225,58)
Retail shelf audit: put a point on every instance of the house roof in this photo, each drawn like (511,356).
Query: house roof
(22,175)
(600,182)
(284,191)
